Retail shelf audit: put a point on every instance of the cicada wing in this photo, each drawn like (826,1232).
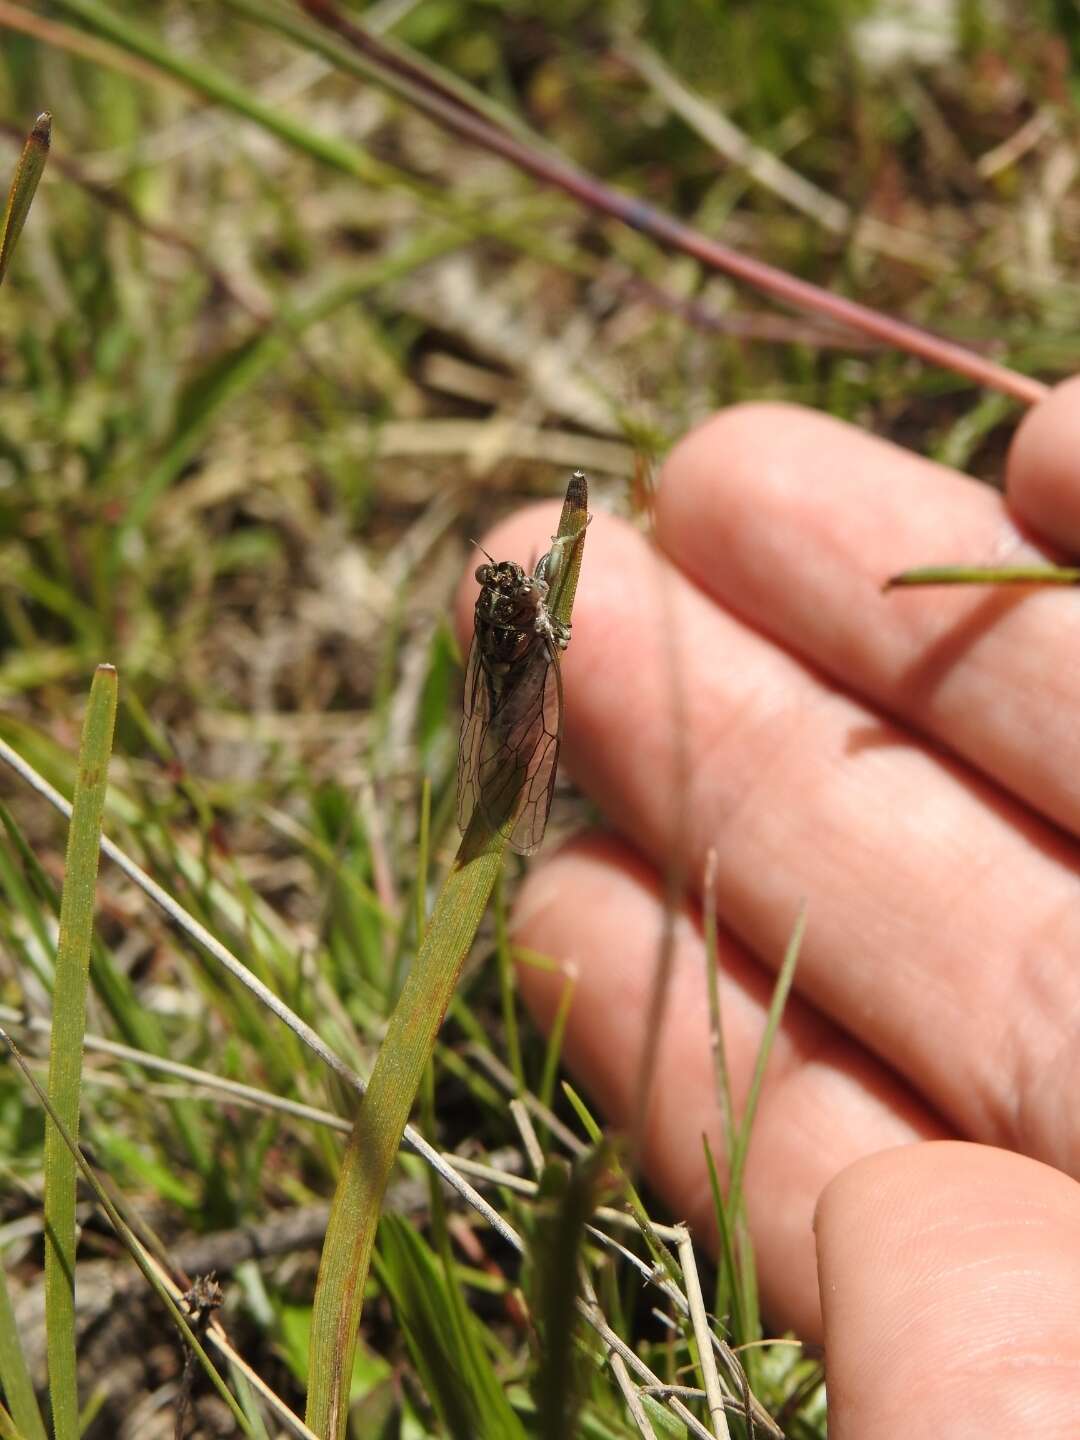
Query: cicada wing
(474,726)
(543,749)
(519,749)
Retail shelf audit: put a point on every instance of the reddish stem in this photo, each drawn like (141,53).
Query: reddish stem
(442,106)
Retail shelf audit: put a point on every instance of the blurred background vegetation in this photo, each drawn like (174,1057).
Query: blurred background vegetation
(275,347)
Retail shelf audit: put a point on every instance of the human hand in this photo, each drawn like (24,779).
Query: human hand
(910,765)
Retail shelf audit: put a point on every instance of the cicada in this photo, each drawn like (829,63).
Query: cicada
(512,727)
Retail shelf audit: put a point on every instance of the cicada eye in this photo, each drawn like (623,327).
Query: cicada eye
(483,574)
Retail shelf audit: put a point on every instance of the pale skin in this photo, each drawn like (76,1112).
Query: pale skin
(909,764)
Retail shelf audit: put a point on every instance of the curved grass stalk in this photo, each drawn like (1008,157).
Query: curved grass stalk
(402,1058)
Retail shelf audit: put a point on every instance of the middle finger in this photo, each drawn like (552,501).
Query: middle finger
(935,901)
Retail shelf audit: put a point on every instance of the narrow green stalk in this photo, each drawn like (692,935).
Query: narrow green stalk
(65,1053)
(399,1069)
(126,1234)
(23,187)
(545,1091)
(985,575)
(15,1381)
(215,85)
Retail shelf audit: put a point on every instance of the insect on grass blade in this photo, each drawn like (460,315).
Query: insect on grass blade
(512,727)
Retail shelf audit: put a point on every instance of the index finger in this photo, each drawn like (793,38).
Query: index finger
(794,521)
(937,905)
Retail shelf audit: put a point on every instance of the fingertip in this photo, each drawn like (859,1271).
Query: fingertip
(950,1250)
(1042,475)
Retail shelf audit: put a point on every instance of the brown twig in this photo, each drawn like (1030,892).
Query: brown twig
(670,232)
(200,1302)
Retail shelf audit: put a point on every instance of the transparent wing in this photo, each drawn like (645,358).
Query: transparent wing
(474,723)
(510,744)
(538,748)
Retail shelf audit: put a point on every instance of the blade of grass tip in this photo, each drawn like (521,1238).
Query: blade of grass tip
(572,523)
(23,187)
(126,1234)
(66,1044)
(15,1381)
(985,575)
(780,993)
(399,1066)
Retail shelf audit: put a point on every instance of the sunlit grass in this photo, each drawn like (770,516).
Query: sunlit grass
(275,351)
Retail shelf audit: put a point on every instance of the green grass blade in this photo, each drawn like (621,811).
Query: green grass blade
(8,1429)
(721,1072)
(15,1381)
(445,1339)
(985,575)
(373,1142)
(403,1055)
(126,1234)
(232,374)
(23,188)
(213,84)
(781,990)
(65,1054)
(549,1075)
(661,1254)
(572,523)
(729,1293)
(568,1198)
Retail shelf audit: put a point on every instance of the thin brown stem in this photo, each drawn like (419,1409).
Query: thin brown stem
(668,231)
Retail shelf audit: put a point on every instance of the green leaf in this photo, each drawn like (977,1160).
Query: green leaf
(15,1378)
(127,1236)
(65,1054)
(568,1198)
(446,1341)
